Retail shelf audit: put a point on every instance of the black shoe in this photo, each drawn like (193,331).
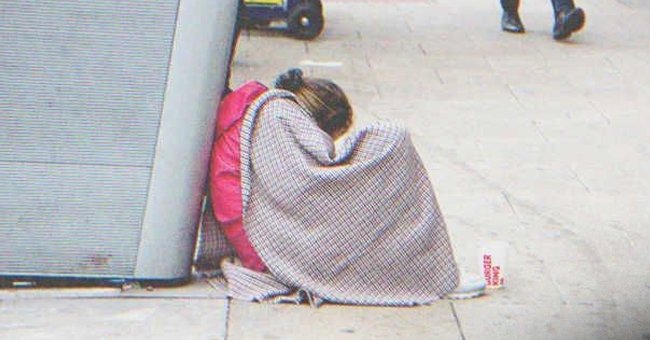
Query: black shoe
(510,22)
(567,22)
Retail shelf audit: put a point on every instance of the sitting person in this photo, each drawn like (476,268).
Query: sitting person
(357,224)
(327,104)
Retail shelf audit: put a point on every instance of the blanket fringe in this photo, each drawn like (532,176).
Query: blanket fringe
(248,285)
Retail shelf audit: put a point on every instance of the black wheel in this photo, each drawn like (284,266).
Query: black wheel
(306,20)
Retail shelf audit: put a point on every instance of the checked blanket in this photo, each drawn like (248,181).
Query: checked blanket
(358,224)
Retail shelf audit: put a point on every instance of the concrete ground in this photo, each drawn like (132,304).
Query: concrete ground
(540,145)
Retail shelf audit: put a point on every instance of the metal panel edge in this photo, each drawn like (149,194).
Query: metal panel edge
(196,78)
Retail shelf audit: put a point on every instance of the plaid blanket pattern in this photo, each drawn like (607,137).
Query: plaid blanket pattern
(212,245)
(359,224)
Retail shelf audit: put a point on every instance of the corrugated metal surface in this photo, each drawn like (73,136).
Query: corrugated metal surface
(83,79)
(81,92)
(70,219)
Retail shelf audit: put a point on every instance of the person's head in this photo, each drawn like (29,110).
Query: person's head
(323,99)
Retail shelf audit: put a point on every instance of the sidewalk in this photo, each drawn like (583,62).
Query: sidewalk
(538,144)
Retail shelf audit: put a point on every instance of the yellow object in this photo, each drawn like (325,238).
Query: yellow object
(264,2)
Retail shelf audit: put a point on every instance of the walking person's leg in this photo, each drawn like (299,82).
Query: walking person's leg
(510,21)
(568,18)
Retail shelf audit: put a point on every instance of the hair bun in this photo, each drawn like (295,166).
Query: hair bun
(290,80)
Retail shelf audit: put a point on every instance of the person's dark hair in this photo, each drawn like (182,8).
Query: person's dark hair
(324,100)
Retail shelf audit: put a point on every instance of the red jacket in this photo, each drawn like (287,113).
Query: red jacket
(225,175)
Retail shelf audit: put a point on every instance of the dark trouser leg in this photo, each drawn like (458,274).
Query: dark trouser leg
(562,5)
(568,19)
(510,21)
(510,6)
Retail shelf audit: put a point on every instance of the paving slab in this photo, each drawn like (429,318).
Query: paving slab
(113,319)
(490,319)
(266,321)
(58,293)
(213,288)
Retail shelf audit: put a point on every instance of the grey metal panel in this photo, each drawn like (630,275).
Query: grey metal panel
(196,79)
(83,81)
(105,133)
(81,95)
(74,220)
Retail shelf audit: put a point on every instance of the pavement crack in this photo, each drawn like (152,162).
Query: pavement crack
(612,65)
(514,95)
(226,321)
(579,180)
(460,328)
(539,131)
(609,121)
(367,59)
(408,26)
(442,82)
(512,207)
(600,112)
(422,50)
(616,226)
(554,283)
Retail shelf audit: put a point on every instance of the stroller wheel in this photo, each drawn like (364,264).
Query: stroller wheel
(306,20)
